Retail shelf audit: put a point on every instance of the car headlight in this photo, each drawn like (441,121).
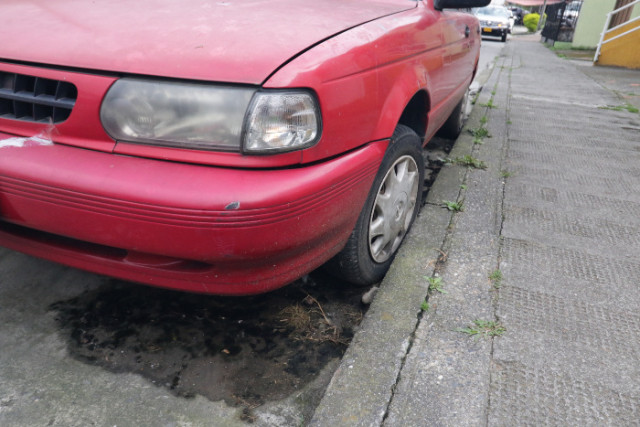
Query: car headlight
(281,121)
(186,115)
(210,117)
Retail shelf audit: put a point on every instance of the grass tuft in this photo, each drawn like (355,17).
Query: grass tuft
(496,278)
(452,206)
(435,284)
(470,161)
(630,108)
(484,329)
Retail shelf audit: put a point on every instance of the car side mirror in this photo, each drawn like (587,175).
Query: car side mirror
(459,4)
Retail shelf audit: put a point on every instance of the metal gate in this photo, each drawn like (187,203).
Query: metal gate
(561,21)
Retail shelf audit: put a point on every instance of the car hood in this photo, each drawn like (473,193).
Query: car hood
(241,41)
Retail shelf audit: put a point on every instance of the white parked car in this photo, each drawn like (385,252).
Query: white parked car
(495,21)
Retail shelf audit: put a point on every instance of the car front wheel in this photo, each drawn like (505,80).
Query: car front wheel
(391,207)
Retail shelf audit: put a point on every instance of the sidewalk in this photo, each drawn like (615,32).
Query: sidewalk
(556,213)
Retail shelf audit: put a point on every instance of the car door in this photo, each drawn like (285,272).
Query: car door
(458,33)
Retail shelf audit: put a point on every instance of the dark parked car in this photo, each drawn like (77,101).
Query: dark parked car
(518,14)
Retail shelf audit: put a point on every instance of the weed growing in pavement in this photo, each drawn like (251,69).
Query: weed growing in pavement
(435,284)
(558,46)
(509,122)
(506,174)
(567,46)
(470,161)
(630,108)
(483,120)
(489,104)
(480,133)
(464,187)
(484,329)
(452,206)
(496,278)
(424,306)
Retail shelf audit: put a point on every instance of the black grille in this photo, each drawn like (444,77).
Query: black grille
(35,99)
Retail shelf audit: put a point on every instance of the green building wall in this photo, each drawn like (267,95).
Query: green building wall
(593,16)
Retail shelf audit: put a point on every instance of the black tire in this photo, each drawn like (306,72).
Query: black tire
(453,126)
(357,262)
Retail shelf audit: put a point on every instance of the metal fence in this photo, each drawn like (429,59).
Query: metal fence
(561,21)
(554,22)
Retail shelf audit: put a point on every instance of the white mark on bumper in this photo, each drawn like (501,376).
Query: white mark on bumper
(25,142)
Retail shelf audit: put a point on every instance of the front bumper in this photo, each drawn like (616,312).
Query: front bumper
(189,227)
(492,29)
(496,32)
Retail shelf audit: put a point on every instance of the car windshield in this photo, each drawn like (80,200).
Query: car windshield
(493,11)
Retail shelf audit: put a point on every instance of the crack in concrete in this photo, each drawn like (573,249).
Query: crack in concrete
(503,156)
(443,249)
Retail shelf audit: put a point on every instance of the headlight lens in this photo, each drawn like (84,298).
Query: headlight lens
(210,117)
(282,121)
(186,115)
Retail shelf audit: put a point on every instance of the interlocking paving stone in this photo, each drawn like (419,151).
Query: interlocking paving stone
(555,261)
(574,231)
(581,148)
(570,320)
(531,271)
(521,395)
(583,205)
(600,166)
(582,117)
(610,138)
(569,141)
(626,188)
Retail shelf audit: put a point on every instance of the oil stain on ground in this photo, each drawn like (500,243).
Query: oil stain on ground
(245,350)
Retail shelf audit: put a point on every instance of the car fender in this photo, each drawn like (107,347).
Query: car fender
(413,80)
(363,78)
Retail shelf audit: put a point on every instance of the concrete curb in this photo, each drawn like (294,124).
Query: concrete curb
(446,376)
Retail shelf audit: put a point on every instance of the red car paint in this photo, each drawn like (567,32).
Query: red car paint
(206,221)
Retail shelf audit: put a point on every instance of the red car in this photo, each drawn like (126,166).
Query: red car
(224,147)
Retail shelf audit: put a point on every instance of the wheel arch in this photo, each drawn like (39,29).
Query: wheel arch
(408,103)
(414,115)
